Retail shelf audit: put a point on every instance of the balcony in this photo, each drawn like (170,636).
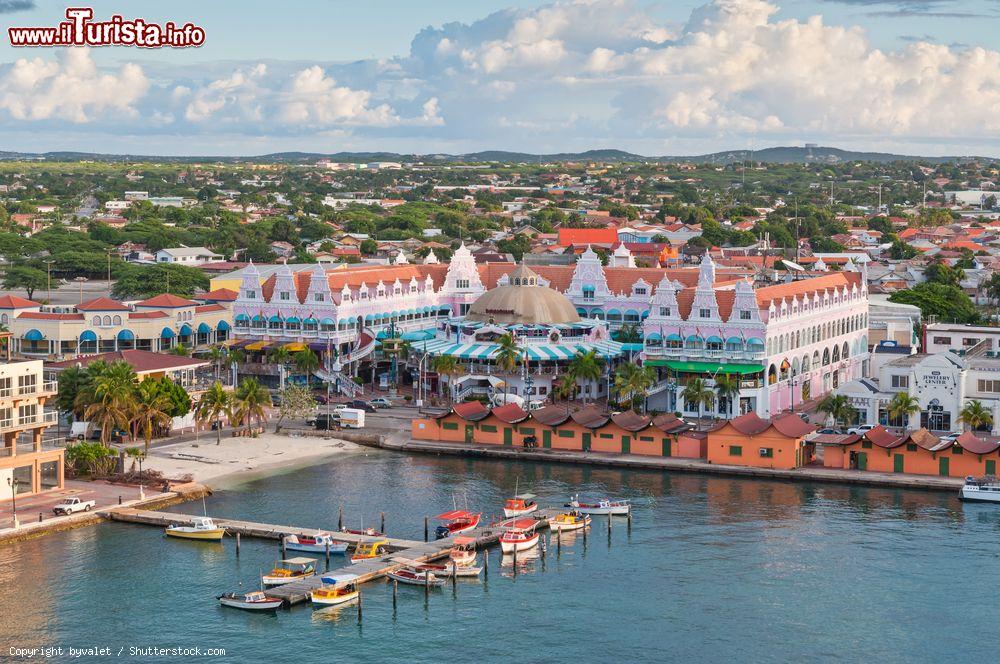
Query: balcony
(28,422)
(46,388)
(702,355)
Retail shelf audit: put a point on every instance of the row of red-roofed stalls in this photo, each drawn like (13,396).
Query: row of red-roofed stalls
(749,440)
(919,452)
(558,427)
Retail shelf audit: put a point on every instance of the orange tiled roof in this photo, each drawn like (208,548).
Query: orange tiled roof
(146,315)
(220,295)
(208,308)
(48,315)
(168,300)
(101,304)
(568,236)
(15,302)
(838,280)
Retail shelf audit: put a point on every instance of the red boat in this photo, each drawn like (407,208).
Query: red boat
(520,535)
(367,532)
(456,521)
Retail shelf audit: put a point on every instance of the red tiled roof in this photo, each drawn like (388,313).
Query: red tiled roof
(969,441)
(550,416)
(925,439)
(787,424)
(218,295)
(15,302)
(143,315)
(670,423)
(166,300)
(749,424)
(883,437)
(791,425)
(591,417)
(208,308)
(47,315)
(631,420)
(510,413)
(473,411)
(143,361)
(836,280)
(568,236)
(101,304)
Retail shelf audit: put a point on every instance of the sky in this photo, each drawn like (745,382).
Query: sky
(657,78)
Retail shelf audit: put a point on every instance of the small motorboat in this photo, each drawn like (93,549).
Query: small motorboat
(456,522)
(415,577)
(201,528)
(982,490)
(371,549)
(288,570)
(338,589)
(569,521)
(446,570)
(251,601)
(520,535)
(315,543)
(520,505)
(464,551)
(366,532)
(603,506)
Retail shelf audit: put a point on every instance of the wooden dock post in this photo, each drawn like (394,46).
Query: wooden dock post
(382,529)
(395,589)
(454,578)
(359,607)
(558,542)
(282,545)
(427,583)
(628,526)
(340,518)
(486,563)
(426,527)
(237,544)
(327,556)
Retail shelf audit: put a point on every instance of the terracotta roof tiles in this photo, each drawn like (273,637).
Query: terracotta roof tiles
(510,413)
(550,416)
(883,437)
(472,411)
(591,417)
(631,420)
(969,441)
(15,302)
(166,301)
(837,280)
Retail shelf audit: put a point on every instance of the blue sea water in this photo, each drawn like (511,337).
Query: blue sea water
(713,569)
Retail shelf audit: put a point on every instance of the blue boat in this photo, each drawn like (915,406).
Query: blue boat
(315,544)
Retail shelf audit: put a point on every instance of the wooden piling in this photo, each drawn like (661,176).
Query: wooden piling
(327,569)
(558,542)
(395,589)
(340,518)
(454,577)
(426,528)
(359,607)
(237,545)
(382,516)
(282,540)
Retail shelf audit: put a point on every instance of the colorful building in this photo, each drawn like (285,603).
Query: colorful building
(919,452)
(104,325)
(26,466)
(748,440)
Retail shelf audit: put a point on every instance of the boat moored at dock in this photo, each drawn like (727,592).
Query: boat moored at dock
(603,506)
(456,522)
(338,589)
(519,535)
(201,528)
(370,549)
(982,490)
(569,521)
(314,544)
(415,577)
(252,601)
(288,570)
(520,505)
(464,551)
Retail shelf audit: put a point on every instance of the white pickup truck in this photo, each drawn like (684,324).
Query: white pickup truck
(73,505)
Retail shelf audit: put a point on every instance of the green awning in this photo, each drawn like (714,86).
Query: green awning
(706,367)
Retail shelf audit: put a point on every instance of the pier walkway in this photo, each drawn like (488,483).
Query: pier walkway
(367,570)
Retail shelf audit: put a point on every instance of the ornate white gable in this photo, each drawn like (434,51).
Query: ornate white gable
(588,275)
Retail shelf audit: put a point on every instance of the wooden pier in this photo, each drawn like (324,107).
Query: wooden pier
(367,570)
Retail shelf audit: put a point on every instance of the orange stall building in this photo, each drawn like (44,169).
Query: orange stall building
(750,440)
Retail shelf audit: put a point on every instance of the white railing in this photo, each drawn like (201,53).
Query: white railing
(28,421)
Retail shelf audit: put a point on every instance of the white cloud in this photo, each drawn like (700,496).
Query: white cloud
(314,98)
(70,88)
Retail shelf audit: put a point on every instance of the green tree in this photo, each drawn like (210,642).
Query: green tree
(586,366)
(836,406)
(697,391)
(901,406)
(508,358)
(214,404)
(975,415)
(727,387)
(27,278)
(139,282)
(946,303)
(368,247)
(306,362)
(296,402)
(151,410)
(448,366)
(113,398)
(250,401)
(632,382)
(629,333)
(940,272)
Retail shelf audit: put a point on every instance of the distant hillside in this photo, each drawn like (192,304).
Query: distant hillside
(778,155)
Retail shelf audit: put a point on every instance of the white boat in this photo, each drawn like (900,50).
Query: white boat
(314,544)
(201,528)
(251,601)
(520,505)
(464,551)
(415,577)
(981,490)
(288,570)
(447,569)
(603,506)
(335,590)
(519,536)
(569,521)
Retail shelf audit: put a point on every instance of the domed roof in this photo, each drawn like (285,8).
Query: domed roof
(523,301)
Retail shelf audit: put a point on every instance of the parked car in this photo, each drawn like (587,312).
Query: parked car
(337,406)
(361,405)
(326,422)
(73,505)
(830,430)
(950,437)
(862,430)
(380,402)
(319,398)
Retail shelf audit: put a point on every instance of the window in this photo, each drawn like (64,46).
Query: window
(528,431)
(944,341)
(461,283)
(317,297)
(450,425)
(251,295)
(488,428)
(704,313)
(866,445)
(565,433)
(606,435)
(283,295)
(957,450)
(989,385)
(640,291)
(646,439)
(911,447)
(735,450)
(767,452)
(901,381)
(664,311)
(969,341)
(744,315)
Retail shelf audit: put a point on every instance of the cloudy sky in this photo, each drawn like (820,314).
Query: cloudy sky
(657,78)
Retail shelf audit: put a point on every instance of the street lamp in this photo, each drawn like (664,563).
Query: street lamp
(12,482)
(48,279)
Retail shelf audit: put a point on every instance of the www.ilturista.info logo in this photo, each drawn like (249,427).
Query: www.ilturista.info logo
(81,30)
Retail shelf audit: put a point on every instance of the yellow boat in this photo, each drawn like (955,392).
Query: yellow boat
(288,570)
(336,590)
(369,550)
(202,528)
(569,521)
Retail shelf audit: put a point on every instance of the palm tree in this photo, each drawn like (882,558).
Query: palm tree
(152,409)
(586,366)
(217,355)
(633,381)
(728,388)
(180,349)
(697,391)
(508,358)
(837,407)
(306,362)
(901,406)
(110,398)
(628,333)
(280,355)
(566,387)
(447,365)
(213,404)
(975,415)
(249,402)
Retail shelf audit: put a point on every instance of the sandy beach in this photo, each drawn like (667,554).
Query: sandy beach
(237,459)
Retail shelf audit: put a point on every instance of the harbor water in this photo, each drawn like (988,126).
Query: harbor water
(712,569)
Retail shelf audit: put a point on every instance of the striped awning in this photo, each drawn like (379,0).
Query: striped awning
(535,352)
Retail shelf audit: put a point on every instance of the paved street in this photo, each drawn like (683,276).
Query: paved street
(30,508)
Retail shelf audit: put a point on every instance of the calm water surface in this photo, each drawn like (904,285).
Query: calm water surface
(714,569)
